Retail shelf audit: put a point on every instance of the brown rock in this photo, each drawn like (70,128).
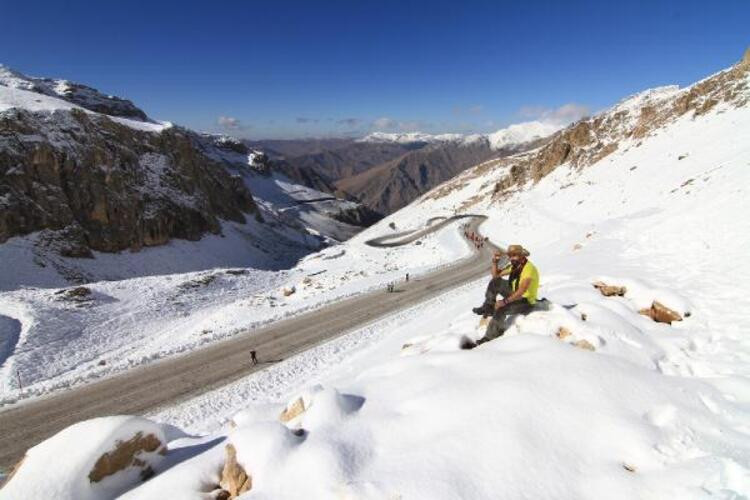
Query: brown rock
(610,290)
(125,455)
(661,313)
(289,291)
(292,411)
(563,333)
(584,344)
(234,479)
(577,246)
(79,291)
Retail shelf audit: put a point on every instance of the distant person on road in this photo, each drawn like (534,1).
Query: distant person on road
(407,277)
(519,291)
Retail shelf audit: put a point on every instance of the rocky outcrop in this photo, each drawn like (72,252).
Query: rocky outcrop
(563,333)
(610,290)
(359,215)
(234,479)
(107,186)
(99,458)
(125,455)
(661,313)
(293,410)
(584,344)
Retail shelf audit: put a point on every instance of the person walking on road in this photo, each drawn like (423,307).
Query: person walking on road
(519,291)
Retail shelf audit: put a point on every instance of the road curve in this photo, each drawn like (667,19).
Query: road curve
(406,237)
(174,379)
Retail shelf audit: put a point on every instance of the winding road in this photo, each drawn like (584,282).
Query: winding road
(171,380)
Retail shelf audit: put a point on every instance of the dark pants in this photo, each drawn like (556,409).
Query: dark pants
(503,316)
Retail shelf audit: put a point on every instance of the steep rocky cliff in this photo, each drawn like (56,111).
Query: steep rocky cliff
(109,186)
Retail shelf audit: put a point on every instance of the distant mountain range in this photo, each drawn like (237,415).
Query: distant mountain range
(387,171)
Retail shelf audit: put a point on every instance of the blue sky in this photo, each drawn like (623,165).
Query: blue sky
(279,69)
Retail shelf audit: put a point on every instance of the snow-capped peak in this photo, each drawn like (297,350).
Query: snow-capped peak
(522,132)
(74,93)
(514,134)
(410,137)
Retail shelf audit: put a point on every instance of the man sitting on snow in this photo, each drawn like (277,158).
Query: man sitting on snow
(518,291)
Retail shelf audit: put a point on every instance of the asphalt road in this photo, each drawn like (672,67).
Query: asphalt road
(169,381)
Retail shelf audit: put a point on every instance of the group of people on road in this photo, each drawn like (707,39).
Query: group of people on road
(476,239)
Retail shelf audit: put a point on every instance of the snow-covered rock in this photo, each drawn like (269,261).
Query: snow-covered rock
(94,459)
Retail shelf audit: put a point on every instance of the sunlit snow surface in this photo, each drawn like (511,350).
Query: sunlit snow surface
(654,411)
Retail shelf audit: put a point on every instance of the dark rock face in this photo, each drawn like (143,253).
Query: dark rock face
(352,159)
(320,164)
(109,187)
(358,216)
(383,176)
(91,99)
(394,184)
(306,176)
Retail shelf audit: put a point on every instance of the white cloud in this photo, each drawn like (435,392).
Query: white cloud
(563,115)
(384,124)
(230,123)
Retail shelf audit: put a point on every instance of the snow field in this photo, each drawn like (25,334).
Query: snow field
(61,467)
(50,342)
(528,415)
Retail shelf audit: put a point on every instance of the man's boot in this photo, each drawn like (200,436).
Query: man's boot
(484,310)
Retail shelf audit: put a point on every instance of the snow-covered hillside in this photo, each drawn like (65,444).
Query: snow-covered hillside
(18,91)
(85,178)
(590,399)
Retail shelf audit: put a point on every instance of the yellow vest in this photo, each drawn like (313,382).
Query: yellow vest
(529,271)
